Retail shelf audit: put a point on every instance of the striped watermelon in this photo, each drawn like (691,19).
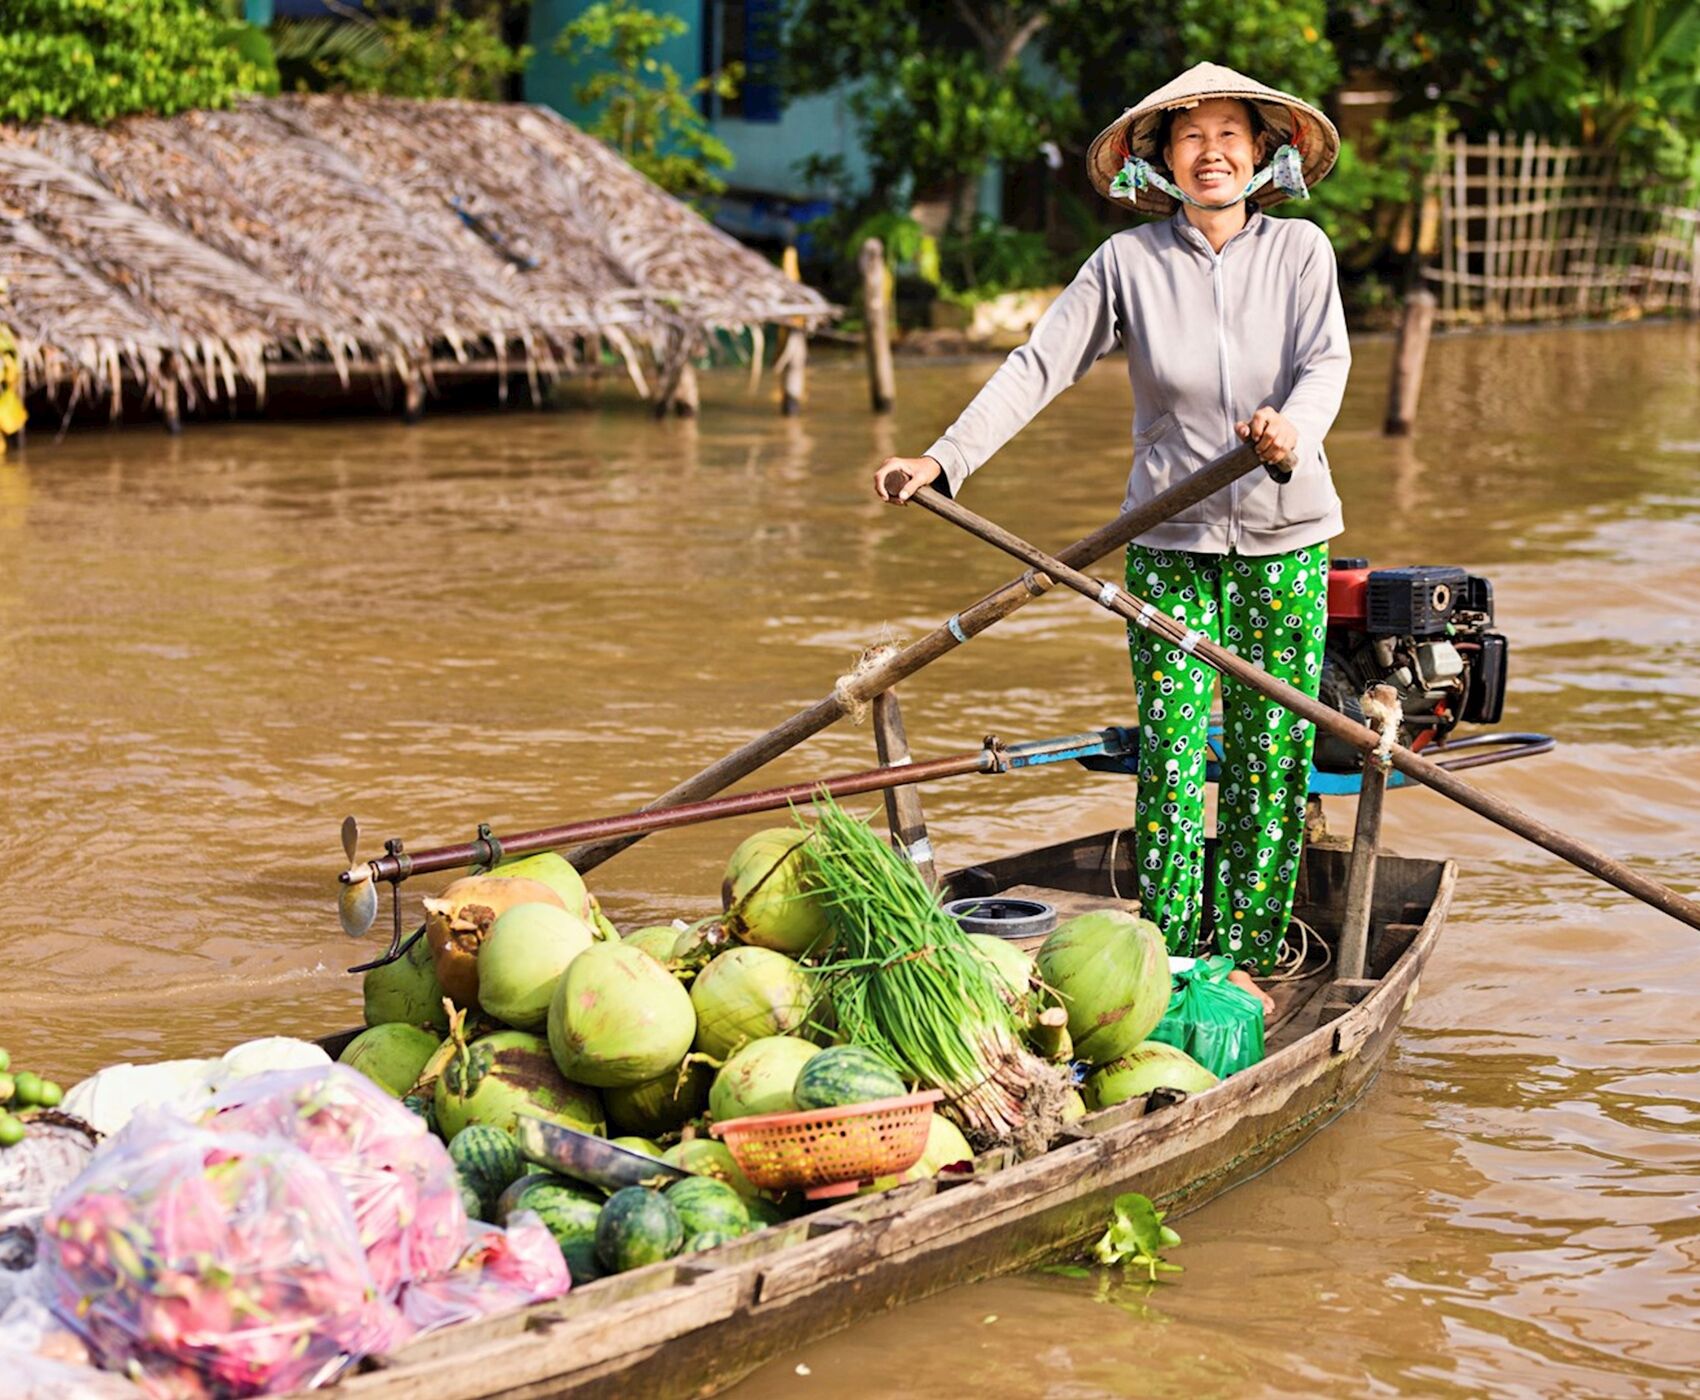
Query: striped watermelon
(845,1074)
(570,1214)
(708,1239)
(637,1227)
(488,1161)
(706,1203)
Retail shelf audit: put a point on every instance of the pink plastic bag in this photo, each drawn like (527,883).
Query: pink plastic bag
(500,1270)
(400,1181)
(210,1264)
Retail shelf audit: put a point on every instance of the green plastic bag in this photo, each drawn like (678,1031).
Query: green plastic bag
(1218,1024)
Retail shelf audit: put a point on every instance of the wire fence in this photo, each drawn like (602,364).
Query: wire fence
(1532,231)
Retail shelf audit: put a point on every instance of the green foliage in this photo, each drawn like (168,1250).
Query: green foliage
(397,53)
(644,109)
(1137,1236)
(97,60)
(991,258)
(908,246)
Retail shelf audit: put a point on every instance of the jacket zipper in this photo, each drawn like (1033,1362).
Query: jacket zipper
(1227,385)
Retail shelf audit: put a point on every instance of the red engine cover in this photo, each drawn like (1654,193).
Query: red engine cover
(1348,598)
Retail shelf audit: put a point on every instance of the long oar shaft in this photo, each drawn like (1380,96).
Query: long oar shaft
(1142,614)
(945,638)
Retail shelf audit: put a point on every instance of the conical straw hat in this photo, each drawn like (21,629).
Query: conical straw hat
(1134,131)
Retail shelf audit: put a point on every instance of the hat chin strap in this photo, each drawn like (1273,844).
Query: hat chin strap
(1286,170)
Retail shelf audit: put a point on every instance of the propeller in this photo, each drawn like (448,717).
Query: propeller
(357,900)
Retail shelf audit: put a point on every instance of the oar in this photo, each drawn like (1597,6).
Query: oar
(945,638)
(1142,614)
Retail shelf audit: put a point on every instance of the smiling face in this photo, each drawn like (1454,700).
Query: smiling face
(1212,150)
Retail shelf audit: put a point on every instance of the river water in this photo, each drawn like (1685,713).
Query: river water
(215,646)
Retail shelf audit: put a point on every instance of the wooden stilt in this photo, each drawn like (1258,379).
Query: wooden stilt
(1360,873)
(882,380)
(686,396)
(169,407)
(1405,384)
(903,813)
(413,395)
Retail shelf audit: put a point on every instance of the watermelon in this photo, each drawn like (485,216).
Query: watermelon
(765,1211)
(471,1202)
(707,1239)
(706,1157)
(637,1226)
(705,1203)
(488,1161)
(570,1214)
(845,1074)
(508,1201)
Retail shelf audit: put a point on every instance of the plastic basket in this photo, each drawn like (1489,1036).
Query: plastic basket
(830,1151)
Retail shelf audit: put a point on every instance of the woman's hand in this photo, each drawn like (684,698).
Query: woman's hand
(907,476)
(1270,434)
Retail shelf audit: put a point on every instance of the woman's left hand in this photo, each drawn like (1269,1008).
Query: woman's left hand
(1270,434)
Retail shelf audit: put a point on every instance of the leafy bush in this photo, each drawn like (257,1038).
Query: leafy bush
(445,54)
(644,109)
(97,60)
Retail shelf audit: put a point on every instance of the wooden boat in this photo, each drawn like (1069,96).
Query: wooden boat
(694,1325)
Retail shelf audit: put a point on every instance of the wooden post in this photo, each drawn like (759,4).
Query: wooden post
(413,394)
(1405,384)
(686,396)
(169,408)
(882,381)
(1360,872)
(794,354)
(903,814)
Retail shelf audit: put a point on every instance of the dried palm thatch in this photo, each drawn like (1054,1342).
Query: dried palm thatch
(207,250)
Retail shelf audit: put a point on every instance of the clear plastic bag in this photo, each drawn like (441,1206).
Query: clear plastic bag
(45,1361)
(212,1264)
(499,1270)
(400,1181)
(1218,1024)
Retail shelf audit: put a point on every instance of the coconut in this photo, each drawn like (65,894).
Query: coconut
(495,1077)
(745,994)
(657,941)
(638,1144)
(406,991)
(618,1018)
(945,1145)
(759,1078)
(662,1104)
(697,946)
(391,1055)
(1153,1065)
(603,925)
(458,920)
(1013,969)
(524,955)
(555,871)
(768,898)
(706,1157)
(1111,972)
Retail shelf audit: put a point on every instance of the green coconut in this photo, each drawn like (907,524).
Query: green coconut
(498,1075)
(618,1018)
(945,1145)
(1111,972)
(759,1078)
(1013,968)
(706,1157)
(603,925)
(657,941)
(1074,1106)
(697,946)
(768,898)
(638,1144)
(523,956)
(554,870)
(391,1055)
(660,1105)
(406,991)
(746,994)
(1153,1065)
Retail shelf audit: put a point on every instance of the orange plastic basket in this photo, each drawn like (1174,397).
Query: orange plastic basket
(831,1151)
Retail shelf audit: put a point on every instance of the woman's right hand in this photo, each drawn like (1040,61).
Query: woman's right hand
(907,475)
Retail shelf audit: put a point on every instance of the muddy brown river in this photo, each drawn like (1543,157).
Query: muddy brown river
(213,647)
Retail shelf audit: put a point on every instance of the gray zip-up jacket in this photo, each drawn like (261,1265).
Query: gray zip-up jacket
(1210,338)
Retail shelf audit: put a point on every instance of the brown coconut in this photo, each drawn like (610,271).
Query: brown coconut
(458,920)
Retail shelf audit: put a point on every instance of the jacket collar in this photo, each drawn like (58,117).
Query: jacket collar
(1186,233)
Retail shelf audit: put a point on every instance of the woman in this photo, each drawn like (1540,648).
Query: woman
(1233,329)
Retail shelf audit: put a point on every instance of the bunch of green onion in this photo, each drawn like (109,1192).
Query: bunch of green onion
(904,980)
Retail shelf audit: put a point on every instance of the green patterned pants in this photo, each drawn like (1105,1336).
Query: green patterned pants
(1272,610)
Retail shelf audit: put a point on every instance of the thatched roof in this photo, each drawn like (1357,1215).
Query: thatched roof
(207,249)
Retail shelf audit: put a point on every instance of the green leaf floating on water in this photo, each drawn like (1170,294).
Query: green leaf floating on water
(1137,1236)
